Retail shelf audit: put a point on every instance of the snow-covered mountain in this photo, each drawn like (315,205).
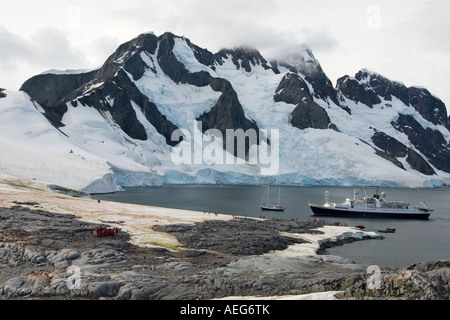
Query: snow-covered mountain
(158,111)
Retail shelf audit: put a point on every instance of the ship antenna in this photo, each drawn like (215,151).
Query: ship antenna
(355,194)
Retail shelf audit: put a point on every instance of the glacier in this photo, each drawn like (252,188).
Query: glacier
(91,152)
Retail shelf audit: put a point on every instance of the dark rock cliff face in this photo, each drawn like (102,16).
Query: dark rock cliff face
(430,107)
(323,88)
(243,58)
(174,68)
(2,94)
(383,87)
(49,90)
(357,92)
(393,149)
(418,163)
(429,142)
(390,145)
(390,148)
(308,114)
(292,89)
(228,114)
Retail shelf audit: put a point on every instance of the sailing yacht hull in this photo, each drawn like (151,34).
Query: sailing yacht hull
(265,208)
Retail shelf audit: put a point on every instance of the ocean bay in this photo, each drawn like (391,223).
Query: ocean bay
(414,240)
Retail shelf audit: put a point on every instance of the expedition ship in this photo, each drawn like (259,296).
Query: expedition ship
(371,207)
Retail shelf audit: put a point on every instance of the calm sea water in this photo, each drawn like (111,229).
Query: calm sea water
(413,241)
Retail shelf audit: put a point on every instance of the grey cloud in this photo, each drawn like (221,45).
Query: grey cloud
(13,48)
(51,47)
(47,48)
(320,40)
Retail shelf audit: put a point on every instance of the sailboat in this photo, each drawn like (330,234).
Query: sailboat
(271,207)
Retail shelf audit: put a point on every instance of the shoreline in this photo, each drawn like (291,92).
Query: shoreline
(132,218)
(163,253)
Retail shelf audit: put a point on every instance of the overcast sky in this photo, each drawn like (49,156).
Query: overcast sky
(407,41)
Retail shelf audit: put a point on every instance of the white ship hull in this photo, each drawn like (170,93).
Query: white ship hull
(371,208)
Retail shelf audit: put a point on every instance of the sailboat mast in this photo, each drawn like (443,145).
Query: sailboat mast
(271,207)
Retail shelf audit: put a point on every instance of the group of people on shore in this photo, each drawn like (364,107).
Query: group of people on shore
(105,232)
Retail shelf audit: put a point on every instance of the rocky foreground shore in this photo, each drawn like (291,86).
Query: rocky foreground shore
(47,255)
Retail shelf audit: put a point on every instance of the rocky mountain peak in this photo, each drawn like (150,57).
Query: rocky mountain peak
(153,85)
(127,56)
(243,58)
(301,59)
(370,88)
(382,86)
